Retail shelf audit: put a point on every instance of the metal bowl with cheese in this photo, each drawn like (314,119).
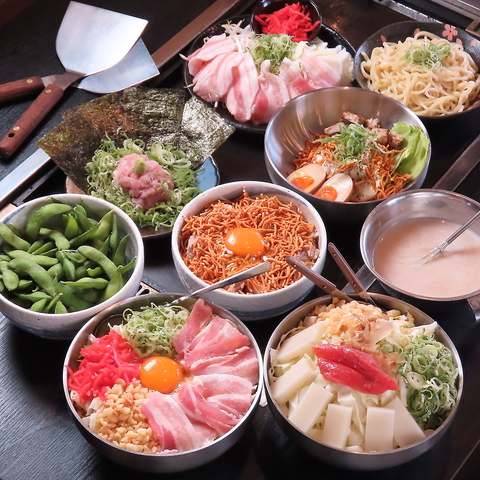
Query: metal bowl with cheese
(362,418)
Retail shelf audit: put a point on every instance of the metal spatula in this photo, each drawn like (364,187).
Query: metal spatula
(90,40)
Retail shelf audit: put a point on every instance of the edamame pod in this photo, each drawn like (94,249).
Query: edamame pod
(9,277)
(42,260)
(100,258)
(87,282)
(41,215)
(58,237)
(36,272)
(12,239)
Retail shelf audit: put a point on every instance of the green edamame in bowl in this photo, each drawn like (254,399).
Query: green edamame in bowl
(64,258)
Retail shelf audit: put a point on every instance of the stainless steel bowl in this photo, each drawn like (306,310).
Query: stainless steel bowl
(312,112)
(405,206)
(342,457)
(398,32)
(157,463)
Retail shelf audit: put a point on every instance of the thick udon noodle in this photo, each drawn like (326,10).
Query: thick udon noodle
(449,89)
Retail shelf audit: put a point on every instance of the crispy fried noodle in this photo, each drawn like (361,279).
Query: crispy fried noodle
(283,227)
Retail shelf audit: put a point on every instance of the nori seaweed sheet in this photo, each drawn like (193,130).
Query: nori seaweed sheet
(203,130)
(148,114)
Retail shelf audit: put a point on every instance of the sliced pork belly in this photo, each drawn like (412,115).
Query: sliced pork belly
(292,76)
(243,363)
(244,89)
(216,45)
(271,96)
(318,73)
(174,430)
(200,313)
(215,78)
(218,400)
(218,338)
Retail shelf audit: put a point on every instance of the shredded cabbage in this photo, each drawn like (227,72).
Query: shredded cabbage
(100,179)
(152,329)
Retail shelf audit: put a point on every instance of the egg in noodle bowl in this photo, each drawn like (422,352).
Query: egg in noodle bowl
(228,237)
(427,73)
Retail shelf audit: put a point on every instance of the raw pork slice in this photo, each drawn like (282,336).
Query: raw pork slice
(215,78)
(216,45)
(318,73)
(292,76)
(243,363)
(146,181)
(244,89)
(200,313)
(218,338)
(174,430)
(271,96)
(218,400)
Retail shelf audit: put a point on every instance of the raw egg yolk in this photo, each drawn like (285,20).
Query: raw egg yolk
(245,241)
(302,181)
(327,192)
(161,373)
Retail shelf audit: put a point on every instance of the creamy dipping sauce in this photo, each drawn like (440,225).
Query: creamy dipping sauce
(456,272)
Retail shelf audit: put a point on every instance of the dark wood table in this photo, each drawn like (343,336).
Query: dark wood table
(38,439)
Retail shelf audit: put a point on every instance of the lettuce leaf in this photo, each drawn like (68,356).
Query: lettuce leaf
(416,144)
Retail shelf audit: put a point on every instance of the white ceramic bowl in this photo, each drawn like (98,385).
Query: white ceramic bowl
(254,306)
(65,326)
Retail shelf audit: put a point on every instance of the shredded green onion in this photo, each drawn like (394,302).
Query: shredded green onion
(430,376)
(353,142)
(272,47)
(429,55)
(152,329)
(100,179)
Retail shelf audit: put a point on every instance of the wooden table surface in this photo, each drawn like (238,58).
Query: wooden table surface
(38,437)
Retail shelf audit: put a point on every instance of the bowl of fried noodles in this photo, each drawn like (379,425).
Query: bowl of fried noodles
(345,149)
(237,225)
(430,67)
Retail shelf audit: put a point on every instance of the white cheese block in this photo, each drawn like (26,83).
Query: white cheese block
(299,375)
(379,429)
(406,430)
(337,425)
(301,343)
(310,407)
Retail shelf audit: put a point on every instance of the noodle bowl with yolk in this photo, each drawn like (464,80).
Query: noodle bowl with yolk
(207,252)
(450,88)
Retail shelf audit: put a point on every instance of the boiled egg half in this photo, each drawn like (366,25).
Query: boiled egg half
(337,188)
(308,178)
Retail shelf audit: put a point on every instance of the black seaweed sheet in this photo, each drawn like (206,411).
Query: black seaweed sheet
(143,113)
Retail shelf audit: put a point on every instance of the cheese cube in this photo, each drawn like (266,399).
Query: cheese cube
(406,430)
(379,429)
(337,425)
(311,406)
(301,343)
(299,375)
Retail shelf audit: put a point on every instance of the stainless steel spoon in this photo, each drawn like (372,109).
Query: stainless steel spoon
(238,277)
(435,252)
(317,279)
(116,319)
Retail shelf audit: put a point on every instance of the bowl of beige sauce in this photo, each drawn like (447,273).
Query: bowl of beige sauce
(404,228)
